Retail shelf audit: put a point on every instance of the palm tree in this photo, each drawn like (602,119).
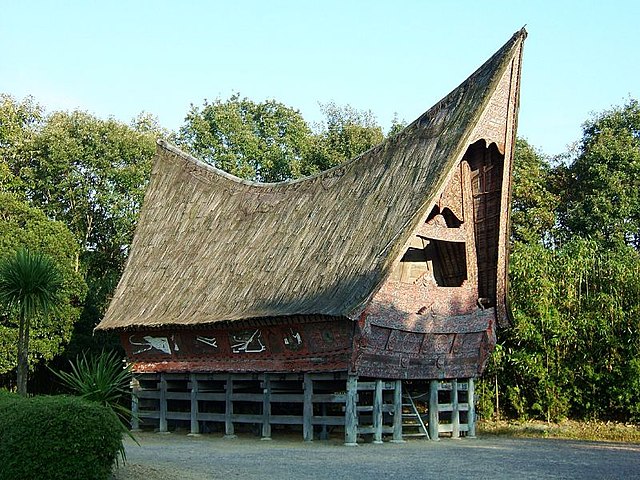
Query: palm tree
(29,283)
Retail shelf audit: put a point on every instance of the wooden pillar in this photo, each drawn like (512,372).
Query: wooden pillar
(397,413)
(351,412)
(307,409)
(377,413)
(135,418)
(455,410)
(195,426)
(266,408)
(228,410)
(162,427)
(324,433)
(433,411)
(471,414)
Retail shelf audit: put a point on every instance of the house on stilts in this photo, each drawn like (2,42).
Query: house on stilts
(326,302)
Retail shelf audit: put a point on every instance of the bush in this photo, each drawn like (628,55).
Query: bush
(60,437)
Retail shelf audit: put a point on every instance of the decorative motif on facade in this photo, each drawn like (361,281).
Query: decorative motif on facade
(247,342)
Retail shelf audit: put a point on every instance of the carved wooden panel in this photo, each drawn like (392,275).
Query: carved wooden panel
(244,346)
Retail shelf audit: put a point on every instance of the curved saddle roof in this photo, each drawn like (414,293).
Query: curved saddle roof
(210,247)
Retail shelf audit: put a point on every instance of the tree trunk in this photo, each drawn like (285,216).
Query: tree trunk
(23,355)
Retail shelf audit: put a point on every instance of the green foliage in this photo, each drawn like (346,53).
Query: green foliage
(575,281)
(91,174)
(264,141)
(26,227)
(397,125)
(603,182)
(103,379)
(29,284)
(533,201)
(344,134)
(88,173)
(19,123)
(57,438)
(270,142)
(571,351)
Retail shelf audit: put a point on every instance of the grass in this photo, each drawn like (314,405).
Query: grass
(567,429)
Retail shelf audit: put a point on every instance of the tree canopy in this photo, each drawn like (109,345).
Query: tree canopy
(603,194)
(265,141)
(23,226)
(575,279)
(270,142)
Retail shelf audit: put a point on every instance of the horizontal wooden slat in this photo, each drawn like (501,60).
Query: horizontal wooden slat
(178,396)
(327,420)
(178,416)
(246,418)
(211,417)
(212,397)
(148,414)
(329,398)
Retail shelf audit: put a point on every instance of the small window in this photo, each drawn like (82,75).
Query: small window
(444,263)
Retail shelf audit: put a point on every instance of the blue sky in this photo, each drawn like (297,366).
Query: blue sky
(120,58)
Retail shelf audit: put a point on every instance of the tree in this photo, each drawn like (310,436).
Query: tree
(29,283)
(534,204)
(24,227)
(603,195)
(264,141)
(575,280)
(91,174)
(397,125)
(344,134)
(19,122)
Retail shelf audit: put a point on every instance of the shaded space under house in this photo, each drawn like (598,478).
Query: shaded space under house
(329,302)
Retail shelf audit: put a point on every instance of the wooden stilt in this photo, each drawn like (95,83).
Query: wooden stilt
(228,411)
(162,427)
(266,408)
(307,409)
(324,433)
(455,410)
(433,410)
(135,399)
(351,412)
(377,413)
(397,413)
(195,426)
(471,414)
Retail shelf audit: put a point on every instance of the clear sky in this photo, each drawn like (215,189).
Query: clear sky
(117,58)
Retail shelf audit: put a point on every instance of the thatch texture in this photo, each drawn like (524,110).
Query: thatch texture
(210,247)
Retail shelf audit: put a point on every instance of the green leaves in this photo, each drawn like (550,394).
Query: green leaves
(270,142)
(103,379)
(22,226)
(533,201)
(259,141)
(575,330)
(29,281)
(575,278)
(603,200)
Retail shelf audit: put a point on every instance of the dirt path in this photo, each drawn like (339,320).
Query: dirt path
(177,456)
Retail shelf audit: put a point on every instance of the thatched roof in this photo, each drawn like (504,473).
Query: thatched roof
(210,247)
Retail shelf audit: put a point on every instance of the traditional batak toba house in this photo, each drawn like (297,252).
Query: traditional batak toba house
(325,302)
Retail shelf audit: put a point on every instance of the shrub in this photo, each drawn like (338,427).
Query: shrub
(100,378)
(56,438)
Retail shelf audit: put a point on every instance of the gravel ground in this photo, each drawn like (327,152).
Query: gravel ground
(178,456)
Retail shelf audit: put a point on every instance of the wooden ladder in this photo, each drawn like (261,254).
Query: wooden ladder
(412,419)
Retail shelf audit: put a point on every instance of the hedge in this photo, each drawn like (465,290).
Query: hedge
(58,437)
